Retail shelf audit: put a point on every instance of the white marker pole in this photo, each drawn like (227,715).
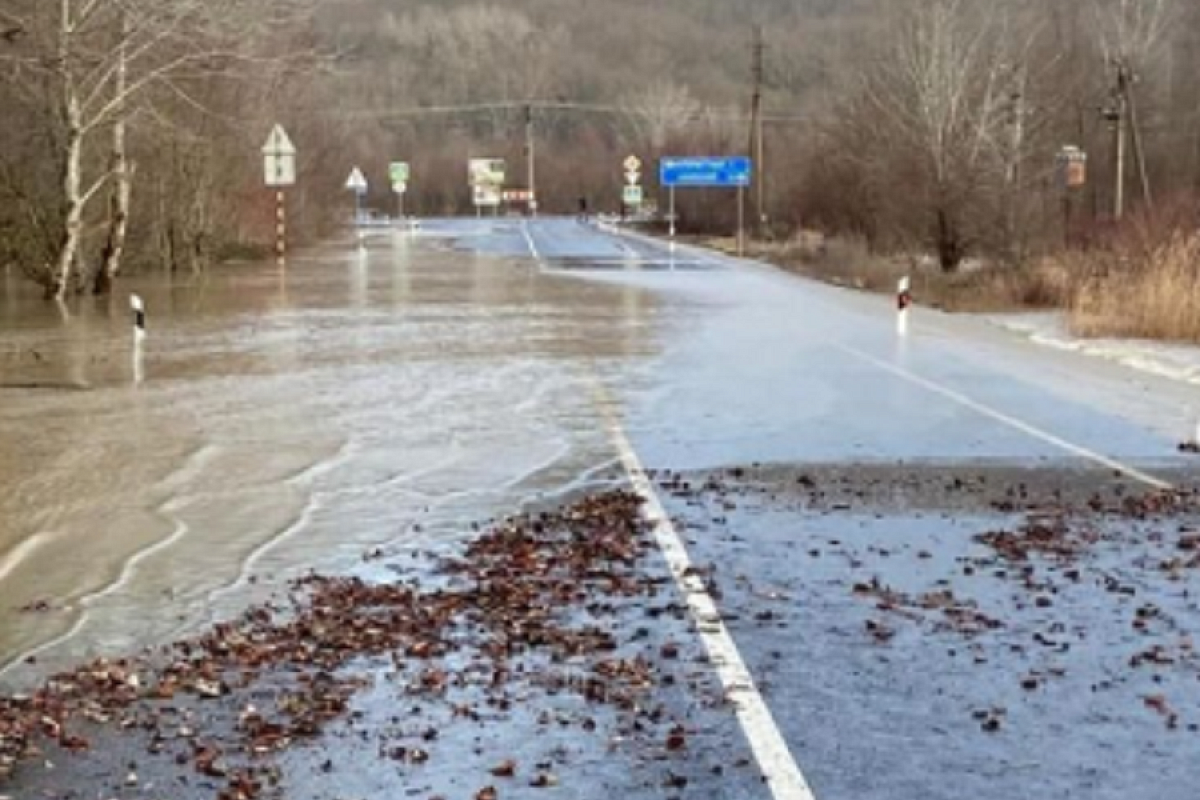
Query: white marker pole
(280,230)
(903,304)
(139,335)
(358,220)
(671,214)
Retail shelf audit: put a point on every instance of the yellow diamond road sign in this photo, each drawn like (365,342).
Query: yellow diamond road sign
(633,164)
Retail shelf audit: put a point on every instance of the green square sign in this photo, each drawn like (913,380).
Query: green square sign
(399,173)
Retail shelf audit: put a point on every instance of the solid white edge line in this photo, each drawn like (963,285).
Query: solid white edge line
(991,413)
(779,769)
(1012,422)
(533,250)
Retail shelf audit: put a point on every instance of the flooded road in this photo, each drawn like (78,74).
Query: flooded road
(285,424)
(922,563)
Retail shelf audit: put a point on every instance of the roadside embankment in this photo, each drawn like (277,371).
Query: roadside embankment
(976,287)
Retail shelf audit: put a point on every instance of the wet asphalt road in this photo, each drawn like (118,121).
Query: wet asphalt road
(762,368)
(914,447)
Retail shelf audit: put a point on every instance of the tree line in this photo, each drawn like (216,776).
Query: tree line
(132,127)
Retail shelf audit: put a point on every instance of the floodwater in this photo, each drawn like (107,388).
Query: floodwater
(279,423)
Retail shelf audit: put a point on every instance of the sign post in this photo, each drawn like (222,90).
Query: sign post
(279,172)
(357,183)
(486,177)
(671,217)
(399,172)
(741,223)
(1072,176)
(708,173)
(632,195)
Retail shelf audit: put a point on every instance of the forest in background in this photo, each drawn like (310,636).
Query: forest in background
(132,128)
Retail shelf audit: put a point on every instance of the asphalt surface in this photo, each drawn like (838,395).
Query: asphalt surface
(917,445)
(836,485)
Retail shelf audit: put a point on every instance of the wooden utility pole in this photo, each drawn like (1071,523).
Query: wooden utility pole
(1127,126)
(1117,115)
(757,148)
(1013,171)
(1135,132)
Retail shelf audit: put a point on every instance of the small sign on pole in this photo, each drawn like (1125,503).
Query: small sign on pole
(487,196)
(279,172)
(1072,166)
(279,159)
(357,182)
(1072,176)
(399,173)
(486,177)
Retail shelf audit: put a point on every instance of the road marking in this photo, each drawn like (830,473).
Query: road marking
(980,408)
(1012,422)
(779,769)
(537,256)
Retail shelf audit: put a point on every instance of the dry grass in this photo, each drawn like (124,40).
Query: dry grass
(978,288)
(1147,294)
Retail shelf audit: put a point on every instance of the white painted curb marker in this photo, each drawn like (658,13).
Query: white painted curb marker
(903,304)
(139,335)
(139,316)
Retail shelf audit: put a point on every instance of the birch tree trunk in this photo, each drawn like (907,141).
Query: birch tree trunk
(72,164)
(118,207)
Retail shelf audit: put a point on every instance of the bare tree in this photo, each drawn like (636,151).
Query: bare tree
(660,111)
(940,93)
(92,63)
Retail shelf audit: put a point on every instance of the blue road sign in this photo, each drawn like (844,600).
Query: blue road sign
(705,173)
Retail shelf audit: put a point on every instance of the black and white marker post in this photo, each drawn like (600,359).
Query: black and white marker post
(280,230)
(139,336)
(357,183)
(279,171)
(903,305)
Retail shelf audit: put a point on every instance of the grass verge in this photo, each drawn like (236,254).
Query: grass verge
(1151,293)
(975,288)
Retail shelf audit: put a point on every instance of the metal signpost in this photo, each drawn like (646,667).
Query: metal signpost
(708,173)
(632,195)
(399,172)
(279,172)
(1072,176)
(357,183)
(486,177)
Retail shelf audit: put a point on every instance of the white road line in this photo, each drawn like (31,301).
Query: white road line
(980,408)
(537,256)
(775,760)
(1012,422)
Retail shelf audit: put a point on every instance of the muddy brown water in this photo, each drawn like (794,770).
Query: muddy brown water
(279,423)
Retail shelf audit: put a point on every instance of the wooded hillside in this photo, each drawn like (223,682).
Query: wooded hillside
(132,128)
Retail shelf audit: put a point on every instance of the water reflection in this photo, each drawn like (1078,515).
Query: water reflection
(284,422)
